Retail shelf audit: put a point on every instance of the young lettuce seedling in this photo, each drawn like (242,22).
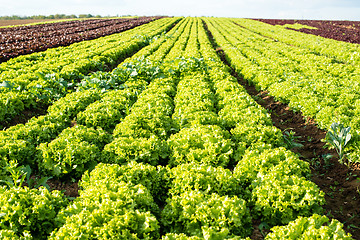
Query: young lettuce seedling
(338,136)
(21,175)
(290,140)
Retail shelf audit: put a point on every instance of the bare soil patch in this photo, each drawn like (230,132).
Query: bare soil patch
(70,189)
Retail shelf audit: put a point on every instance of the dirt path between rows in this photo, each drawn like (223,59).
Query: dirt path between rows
(340,183)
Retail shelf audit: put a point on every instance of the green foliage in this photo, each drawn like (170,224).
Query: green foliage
(99,80)
(155,179)
(103,114)
(313,227)
(149,115)
(307,77)
(194,94)
(49,87)
(38,130)
(253,115)
(20,175)
(62,157)
(251,135)
(187,113)
(12,103)
(181,66)
(116,210)
(281,198)
(107,112)
(151,150)
(258,163)
(353,152)
(73,103)
(199,214)
(35,183)
(297,26)
(49,75)
(153,101)
(195,118)
(195,103)
(207,144)
(338,137)
(6,85)
(30,210)
(163,86)
(17,175)
(228,90)
(15,150)
(11,235)
(290,140)
(74,151)
(208,234)
(138,125)
(139,69)
(19,142)
(181,236)
(204,178)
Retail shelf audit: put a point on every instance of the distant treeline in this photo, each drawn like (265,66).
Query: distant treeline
(56,16)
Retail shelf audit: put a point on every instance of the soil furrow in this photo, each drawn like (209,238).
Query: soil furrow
(340,183)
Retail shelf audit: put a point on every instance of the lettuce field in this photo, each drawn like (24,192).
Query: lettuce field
(23,40)
(179,128)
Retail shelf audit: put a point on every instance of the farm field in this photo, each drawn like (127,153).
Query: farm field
(347,31)
(37,79)
(10,23)
(23,40)
(181,128)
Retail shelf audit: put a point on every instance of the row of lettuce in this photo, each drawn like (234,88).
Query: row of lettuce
(33,80)
(320,80)
(337,50)
(179,150)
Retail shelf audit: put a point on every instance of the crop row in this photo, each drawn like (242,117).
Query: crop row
(90,105)
(347,31)
(44,77)
(190,156)
(339,51)
(311,83)
(25,40)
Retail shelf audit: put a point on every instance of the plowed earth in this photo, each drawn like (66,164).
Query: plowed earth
(346,31)
(23,40)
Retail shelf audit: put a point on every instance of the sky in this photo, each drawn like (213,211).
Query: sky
(276,9)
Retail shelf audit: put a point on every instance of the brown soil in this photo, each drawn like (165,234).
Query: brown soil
(70,189)
(22,21)
(25,116)
(340,183)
